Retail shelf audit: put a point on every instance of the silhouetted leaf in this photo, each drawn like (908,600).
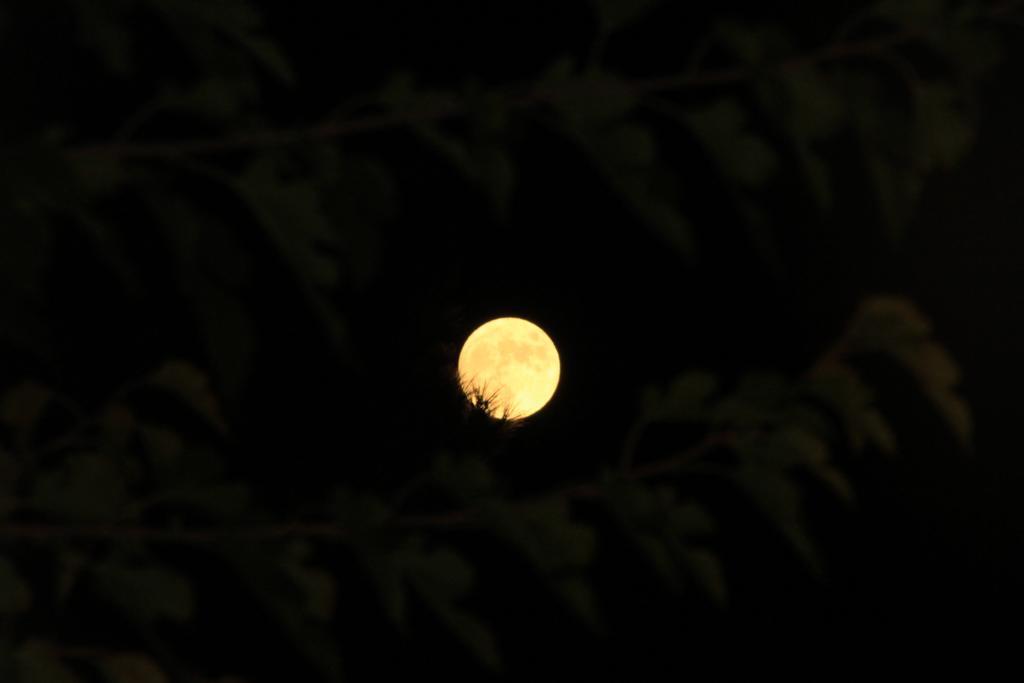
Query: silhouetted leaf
(218,98)
(839,387)
(316,585)
(912,12)
(754,44)
(441,577)
(809,107)
(15,594)
(705,569)
(686,397)
(944,133)
(895,327)
(22,406)
(662,528)
(486,164)
(228,500)
(593,100)
(778,498)
(147,592)
(9,481)
(739,155)
(100,28)
(616,14)
(469,478)
(761,399)
(628,145)
(84,486)
(36,662)
(265,581)
(267,53)
(553,543)
(292,218)
(71,564)
(973,51)
(292,212)
(132,668)
(189,385)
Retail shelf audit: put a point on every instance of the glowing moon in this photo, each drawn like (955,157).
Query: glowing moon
(510,364)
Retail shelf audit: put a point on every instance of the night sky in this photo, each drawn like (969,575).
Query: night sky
(932,544)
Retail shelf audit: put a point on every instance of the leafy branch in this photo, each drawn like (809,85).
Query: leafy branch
(45,532)
(516,98)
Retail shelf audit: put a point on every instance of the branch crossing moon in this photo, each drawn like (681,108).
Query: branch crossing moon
(509,367)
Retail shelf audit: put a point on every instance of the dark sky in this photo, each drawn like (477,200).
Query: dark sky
(936,542)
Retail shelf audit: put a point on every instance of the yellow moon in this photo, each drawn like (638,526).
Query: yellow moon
(510,367)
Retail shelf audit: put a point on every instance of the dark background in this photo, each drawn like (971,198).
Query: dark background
(933,546)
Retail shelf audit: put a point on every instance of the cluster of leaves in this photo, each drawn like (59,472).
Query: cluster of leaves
(105,489)
(132,482)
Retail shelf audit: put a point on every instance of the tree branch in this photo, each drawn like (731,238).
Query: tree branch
(535,96)
(44,532)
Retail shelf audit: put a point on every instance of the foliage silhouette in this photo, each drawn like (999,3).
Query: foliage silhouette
(204,205)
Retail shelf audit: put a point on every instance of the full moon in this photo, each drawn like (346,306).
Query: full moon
(509,367)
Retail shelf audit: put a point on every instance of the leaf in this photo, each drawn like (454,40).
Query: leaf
(738,154)
(899,188)
(809,107)
(944,134)
(486,165)
(554,544)
(559,71)
(628,145)
(132,668)
(686,397)
(292,212)
(316,585)
(895,327)
(470,630)
(468,478)
(614,15)
(15,594)
(779,500)
(222,500)
(664,219)
(191,387)
(593,100)
(579,596)
(268,54)
(754,44)
(264,581)
(912,12)
(9,482)
(85,486)
(664,530)
(361,514)
(441,578)
(705,569)
(815,107)
(761,399)
(71,564)
(292,217)
(556,541)
(36,662)
(229,333)
(22,406)
(216,97)
(841,389)
(149,593)
(100,28)
(974,52)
